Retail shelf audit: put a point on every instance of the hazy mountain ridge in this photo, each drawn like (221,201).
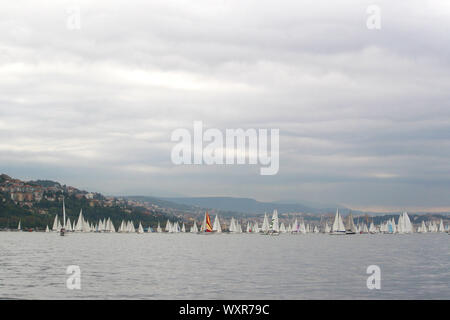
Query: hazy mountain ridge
(242,205)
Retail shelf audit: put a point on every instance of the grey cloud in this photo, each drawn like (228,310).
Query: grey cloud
(363,115)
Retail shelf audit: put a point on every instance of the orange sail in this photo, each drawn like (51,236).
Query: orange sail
(208,223)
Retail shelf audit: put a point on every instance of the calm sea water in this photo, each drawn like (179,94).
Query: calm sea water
(187,266)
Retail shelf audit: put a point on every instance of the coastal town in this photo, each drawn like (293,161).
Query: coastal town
(27,194)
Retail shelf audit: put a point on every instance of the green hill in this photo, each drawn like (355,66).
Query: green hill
(43,213)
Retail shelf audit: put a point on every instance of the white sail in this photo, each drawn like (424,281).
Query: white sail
(400,224)
(158,229)
(404,224)
(441,226)
(216,226)
(47,229)
(303,228)
(168,226)
(407,222)
(19,227)
(140,228)
(85,227)
(129,226)
(394,226)
(203,224)
(372,228)
(282,228)
(350,224)
(265,226)
(338,225)
(275,224)
(423,227)
(194,228)
(68,226)
(295,226)
(327,228)
(110,226)
(256,228)
(80,222)
(55,224)
(233,227)
(64,215)
(122,226)
(364,228)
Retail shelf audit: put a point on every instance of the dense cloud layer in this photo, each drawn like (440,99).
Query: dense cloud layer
(364,115)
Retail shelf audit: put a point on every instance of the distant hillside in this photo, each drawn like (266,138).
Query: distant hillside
(35,204)
(10,213)
(163,203)
(243,205)
(45,183)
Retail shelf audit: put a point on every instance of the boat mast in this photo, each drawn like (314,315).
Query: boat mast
(64,215)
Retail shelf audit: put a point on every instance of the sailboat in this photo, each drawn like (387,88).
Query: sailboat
(206,225)
(351,229)
(233,226)
(265,226)
(131,227)
(183,228)
(62,231)
(68,225)
(372,228)
(274,228)
(338,225)
(216,227)
(238,227)
(168,226)
(19,227)
(194,228)
(404,224)
(110,226)
(364,228)
(140,228)
(55,224)
(327,227)
(422,228)
(47,229)
(303,227)
(80,222)
(441,226)
(295,227)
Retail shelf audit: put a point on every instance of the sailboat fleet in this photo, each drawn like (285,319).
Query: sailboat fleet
(274,227)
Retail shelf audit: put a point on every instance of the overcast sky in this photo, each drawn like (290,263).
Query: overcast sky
(364,115)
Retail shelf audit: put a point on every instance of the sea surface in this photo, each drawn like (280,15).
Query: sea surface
(247,266)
